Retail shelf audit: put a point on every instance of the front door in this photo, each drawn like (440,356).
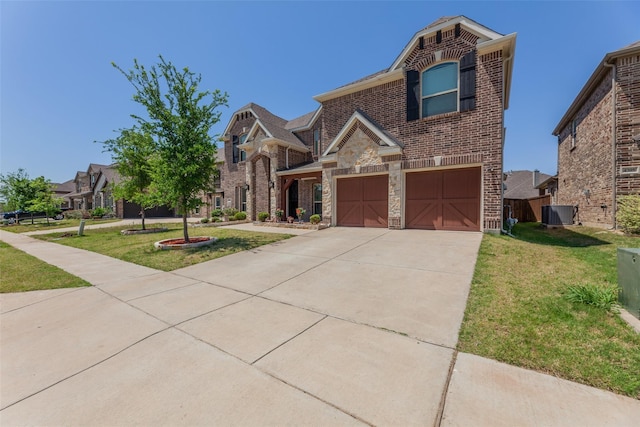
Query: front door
(292,199)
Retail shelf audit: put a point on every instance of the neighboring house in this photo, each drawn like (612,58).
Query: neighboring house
(522,193)
(416,145)
(599,139)
(61,190)
(93,189)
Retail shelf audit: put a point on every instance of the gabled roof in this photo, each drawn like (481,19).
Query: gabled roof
(599,73)
(302,122)
(520,184)
(384,138)
(488,41)
(273,126)
(65,187)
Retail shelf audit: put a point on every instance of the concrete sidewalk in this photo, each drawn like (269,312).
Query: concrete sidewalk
(333,327)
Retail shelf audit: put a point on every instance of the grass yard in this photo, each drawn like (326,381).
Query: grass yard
(20,272)
(41,224)
(517,311)
(139,249)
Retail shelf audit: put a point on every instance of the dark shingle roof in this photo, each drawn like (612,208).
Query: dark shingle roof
(520,184)
(275,125)
(301,121)
(67,186)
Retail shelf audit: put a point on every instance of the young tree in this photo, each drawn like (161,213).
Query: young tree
(16,189)
(44,199)
(133,152)
(179,120)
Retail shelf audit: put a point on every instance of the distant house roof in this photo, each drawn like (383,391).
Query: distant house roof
(599,73)
(522,184)
(300,122)
(65,187)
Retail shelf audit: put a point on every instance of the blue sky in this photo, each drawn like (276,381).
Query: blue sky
(59,92)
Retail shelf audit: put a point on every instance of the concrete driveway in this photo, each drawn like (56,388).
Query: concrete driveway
(336,327)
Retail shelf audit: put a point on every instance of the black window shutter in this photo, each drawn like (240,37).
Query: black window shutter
(468,81)
(413,95)
(236,151)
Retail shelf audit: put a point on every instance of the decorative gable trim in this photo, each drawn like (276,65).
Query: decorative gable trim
(484,34)
(359,121)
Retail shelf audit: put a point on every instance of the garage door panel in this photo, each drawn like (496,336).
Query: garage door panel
(363,201)
(443,200)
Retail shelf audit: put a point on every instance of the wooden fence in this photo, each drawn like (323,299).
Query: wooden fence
(527,210)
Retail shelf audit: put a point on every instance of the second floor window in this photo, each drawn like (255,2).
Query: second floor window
(440,89)
(574,133)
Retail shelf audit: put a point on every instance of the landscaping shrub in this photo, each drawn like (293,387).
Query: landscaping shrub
(98,212)
(262,216)
(77,214)
(314,219)
(628,216)
(601,296)
(230,212)
(204,220)
(240,216)
(216,213)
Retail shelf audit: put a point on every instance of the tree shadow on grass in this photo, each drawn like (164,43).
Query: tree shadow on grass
(564,237)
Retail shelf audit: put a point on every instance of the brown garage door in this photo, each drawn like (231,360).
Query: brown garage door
(443,200)
(363,201)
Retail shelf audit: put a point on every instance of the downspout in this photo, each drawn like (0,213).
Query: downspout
(502,230)
(613,140)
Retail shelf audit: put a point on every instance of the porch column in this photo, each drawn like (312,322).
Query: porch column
(275,191)
(396,184)
(327,196)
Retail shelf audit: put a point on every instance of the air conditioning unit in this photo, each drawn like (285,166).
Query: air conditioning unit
(558,214)
(629,279)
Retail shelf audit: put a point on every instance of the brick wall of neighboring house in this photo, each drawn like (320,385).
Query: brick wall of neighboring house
(628,123)
(477,132)
(260,185)
(585,170)
(234,173)
(307,138)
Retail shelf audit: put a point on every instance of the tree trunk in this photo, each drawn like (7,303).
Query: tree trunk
(142,215)
(184,226)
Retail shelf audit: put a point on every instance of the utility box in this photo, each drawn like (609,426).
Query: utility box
(629,279)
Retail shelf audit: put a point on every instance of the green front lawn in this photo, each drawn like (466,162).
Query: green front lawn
(20,272)
(139,249)
(517,311)
(41,224)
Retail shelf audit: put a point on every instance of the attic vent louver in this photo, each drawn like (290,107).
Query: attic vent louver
(421,43)
(457,30)
(439,37)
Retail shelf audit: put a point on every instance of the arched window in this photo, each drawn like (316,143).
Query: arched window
(440,89)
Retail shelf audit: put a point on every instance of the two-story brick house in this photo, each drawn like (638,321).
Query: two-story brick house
(416,145)
(599,139)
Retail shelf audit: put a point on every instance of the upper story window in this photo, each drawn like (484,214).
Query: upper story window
(440,89)
(236,151)
(446,87)
(243,154)
(574,132)
(316,141)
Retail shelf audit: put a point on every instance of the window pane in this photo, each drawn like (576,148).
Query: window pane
(243,138)
(440,104)
(317,192)
(440,78)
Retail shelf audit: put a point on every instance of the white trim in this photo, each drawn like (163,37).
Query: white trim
(298,171)
(362,85)
(276,141)
(356,116)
